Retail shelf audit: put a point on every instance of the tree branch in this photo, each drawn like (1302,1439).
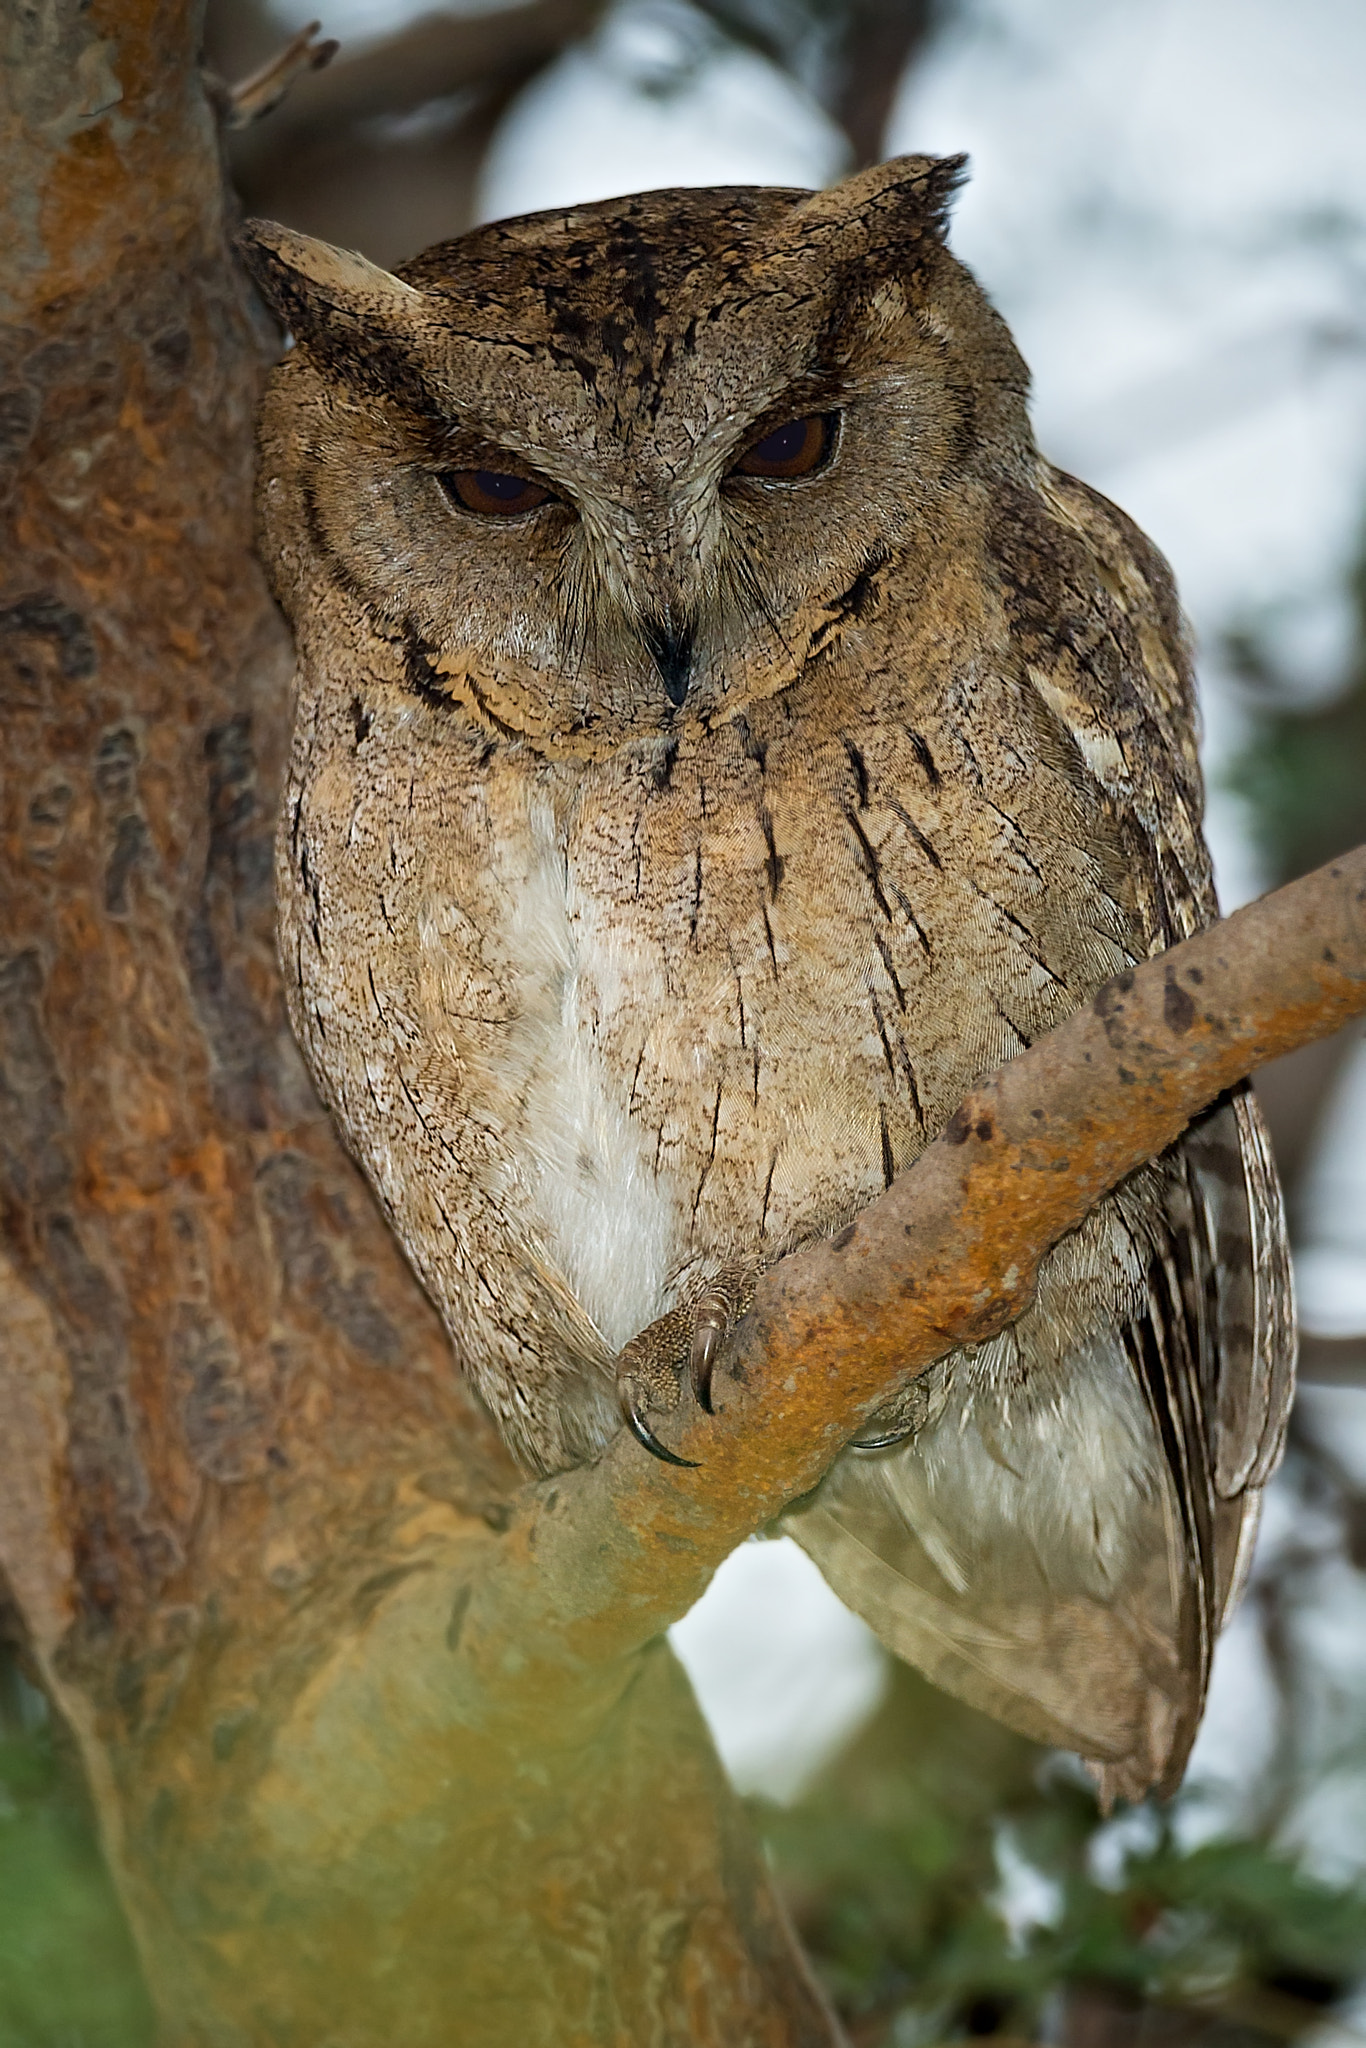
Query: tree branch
(252,98)
(1332,1361)
(484,1660)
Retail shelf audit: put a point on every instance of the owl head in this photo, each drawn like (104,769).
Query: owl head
(603,473)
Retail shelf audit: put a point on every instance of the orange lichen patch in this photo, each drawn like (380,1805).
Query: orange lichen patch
(205,1168)
(127,1179)
(185,641)
(121,127)
(132,422)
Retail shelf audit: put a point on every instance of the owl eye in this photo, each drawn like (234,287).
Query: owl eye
(492,492)
(794,449)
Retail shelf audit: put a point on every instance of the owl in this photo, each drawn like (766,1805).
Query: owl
(720,738)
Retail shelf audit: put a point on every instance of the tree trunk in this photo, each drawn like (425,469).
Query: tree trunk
(231,1422)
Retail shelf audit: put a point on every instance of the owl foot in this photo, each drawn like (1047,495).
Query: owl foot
(688,1339)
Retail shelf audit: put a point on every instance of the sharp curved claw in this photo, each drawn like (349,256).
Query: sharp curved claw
(646,1437)
(880,1443)
(706,1346)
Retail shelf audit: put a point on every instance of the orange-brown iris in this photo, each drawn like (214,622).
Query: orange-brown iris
(793,449)
(493,491)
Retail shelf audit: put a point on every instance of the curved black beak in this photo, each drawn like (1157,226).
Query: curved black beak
(671,649)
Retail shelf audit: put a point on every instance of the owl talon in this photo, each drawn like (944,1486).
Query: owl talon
(706,1348)
(686,1343)
(880,1443)
(645,1436)
(717,1310)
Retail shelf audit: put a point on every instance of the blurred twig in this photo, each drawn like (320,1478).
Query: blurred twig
(383,150)
(1329,1523)
(334,158)
(881,39)
(852,53)
(1333,1361)
(433,58)
(261,92)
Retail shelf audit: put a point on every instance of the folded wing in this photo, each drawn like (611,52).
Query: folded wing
(1061,1540)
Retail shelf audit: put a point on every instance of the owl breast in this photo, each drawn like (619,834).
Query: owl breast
(595,1028)
(795,949)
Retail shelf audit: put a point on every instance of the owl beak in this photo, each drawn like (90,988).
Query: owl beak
(672,650)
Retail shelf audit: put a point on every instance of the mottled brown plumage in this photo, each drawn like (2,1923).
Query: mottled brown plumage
(660,864)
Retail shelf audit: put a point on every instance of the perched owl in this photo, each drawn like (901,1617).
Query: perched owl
(720,738)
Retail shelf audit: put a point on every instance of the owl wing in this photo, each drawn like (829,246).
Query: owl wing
(1133,716)
(1061,1548)
(1088,1621)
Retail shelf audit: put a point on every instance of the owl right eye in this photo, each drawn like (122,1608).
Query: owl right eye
(492,492)
(795,449)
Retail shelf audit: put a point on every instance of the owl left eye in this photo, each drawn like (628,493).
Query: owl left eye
(492,491)
(794,449)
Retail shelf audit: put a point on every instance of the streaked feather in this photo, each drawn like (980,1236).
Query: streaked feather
(1201,1369)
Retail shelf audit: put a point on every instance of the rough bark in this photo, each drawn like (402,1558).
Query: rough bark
(385,1747)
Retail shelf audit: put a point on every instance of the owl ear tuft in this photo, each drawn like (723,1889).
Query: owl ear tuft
(349,315)
(307,283)
(905,199)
